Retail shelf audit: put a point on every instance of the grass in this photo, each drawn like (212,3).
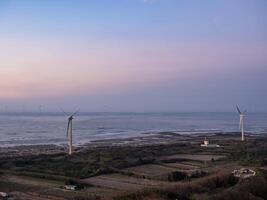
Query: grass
(253,188)
(105,160)
(92,162)
(250,153)
(184,191)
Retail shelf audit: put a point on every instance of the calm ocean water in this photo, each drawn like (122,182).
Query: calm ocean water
(50,128)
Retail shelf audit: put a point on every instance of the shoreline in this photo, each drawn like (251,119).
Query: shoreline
(155,139)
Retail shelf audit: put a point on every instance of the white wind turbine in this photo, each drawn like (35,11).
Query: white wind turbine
(69,130)
(241,122)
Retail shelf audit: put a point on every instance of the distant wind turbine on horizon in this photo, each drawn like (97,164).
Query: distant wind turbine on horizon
(40,109)
(69,129)
(241,122)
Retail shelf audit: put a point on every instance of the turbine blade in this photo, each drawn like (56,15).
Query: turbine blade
(238,110)
(63,112)
(75,113)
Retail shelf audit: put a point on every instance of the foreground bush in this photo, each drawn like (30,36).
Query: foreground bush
(184,191)
(177,176)
(253,188)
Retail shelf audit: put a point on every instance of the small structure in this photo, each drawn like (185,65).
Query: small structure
(71,187)
(244,173)
(4,195)
(207,144)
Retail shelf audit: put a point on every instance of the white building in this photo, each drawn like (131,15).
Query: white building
(70,187)
(207,144)
(4,195)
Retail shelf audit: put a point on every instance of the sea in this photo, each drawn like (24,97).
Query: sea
(50,128)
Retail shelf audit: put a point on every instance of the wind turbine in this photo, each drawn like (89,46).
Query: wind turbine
(40,109)
(69,129)
(241,122)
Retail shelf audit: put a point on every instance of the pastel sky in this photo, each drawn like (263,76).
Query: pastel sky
(133,55)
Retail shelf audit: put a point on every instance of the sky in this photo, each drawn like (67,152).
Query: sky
(133,55)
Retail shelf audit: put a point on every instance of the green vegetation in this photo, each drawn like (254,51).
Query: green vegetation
(40,175)
(102,160)
(219,187)
(177,176)
(180,176)
(185,191)
(204,178)
(253,188)
(79,185)
(198,174)
(251,153)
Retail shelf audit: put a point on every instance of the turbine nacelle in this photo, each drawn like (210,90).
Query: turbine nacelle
(70,118)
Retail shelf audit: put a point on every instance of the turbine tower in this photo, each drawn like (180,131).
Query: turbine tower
(241,122)
(69,130)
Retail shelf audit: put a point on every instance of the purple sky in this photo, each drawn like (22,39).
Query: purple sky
(133,55)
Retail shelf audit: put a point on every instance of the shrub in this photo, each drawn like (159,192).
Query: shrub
(198,174)
(177,176)
(221,180)
(256,186)
(78,184)
(253,188)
